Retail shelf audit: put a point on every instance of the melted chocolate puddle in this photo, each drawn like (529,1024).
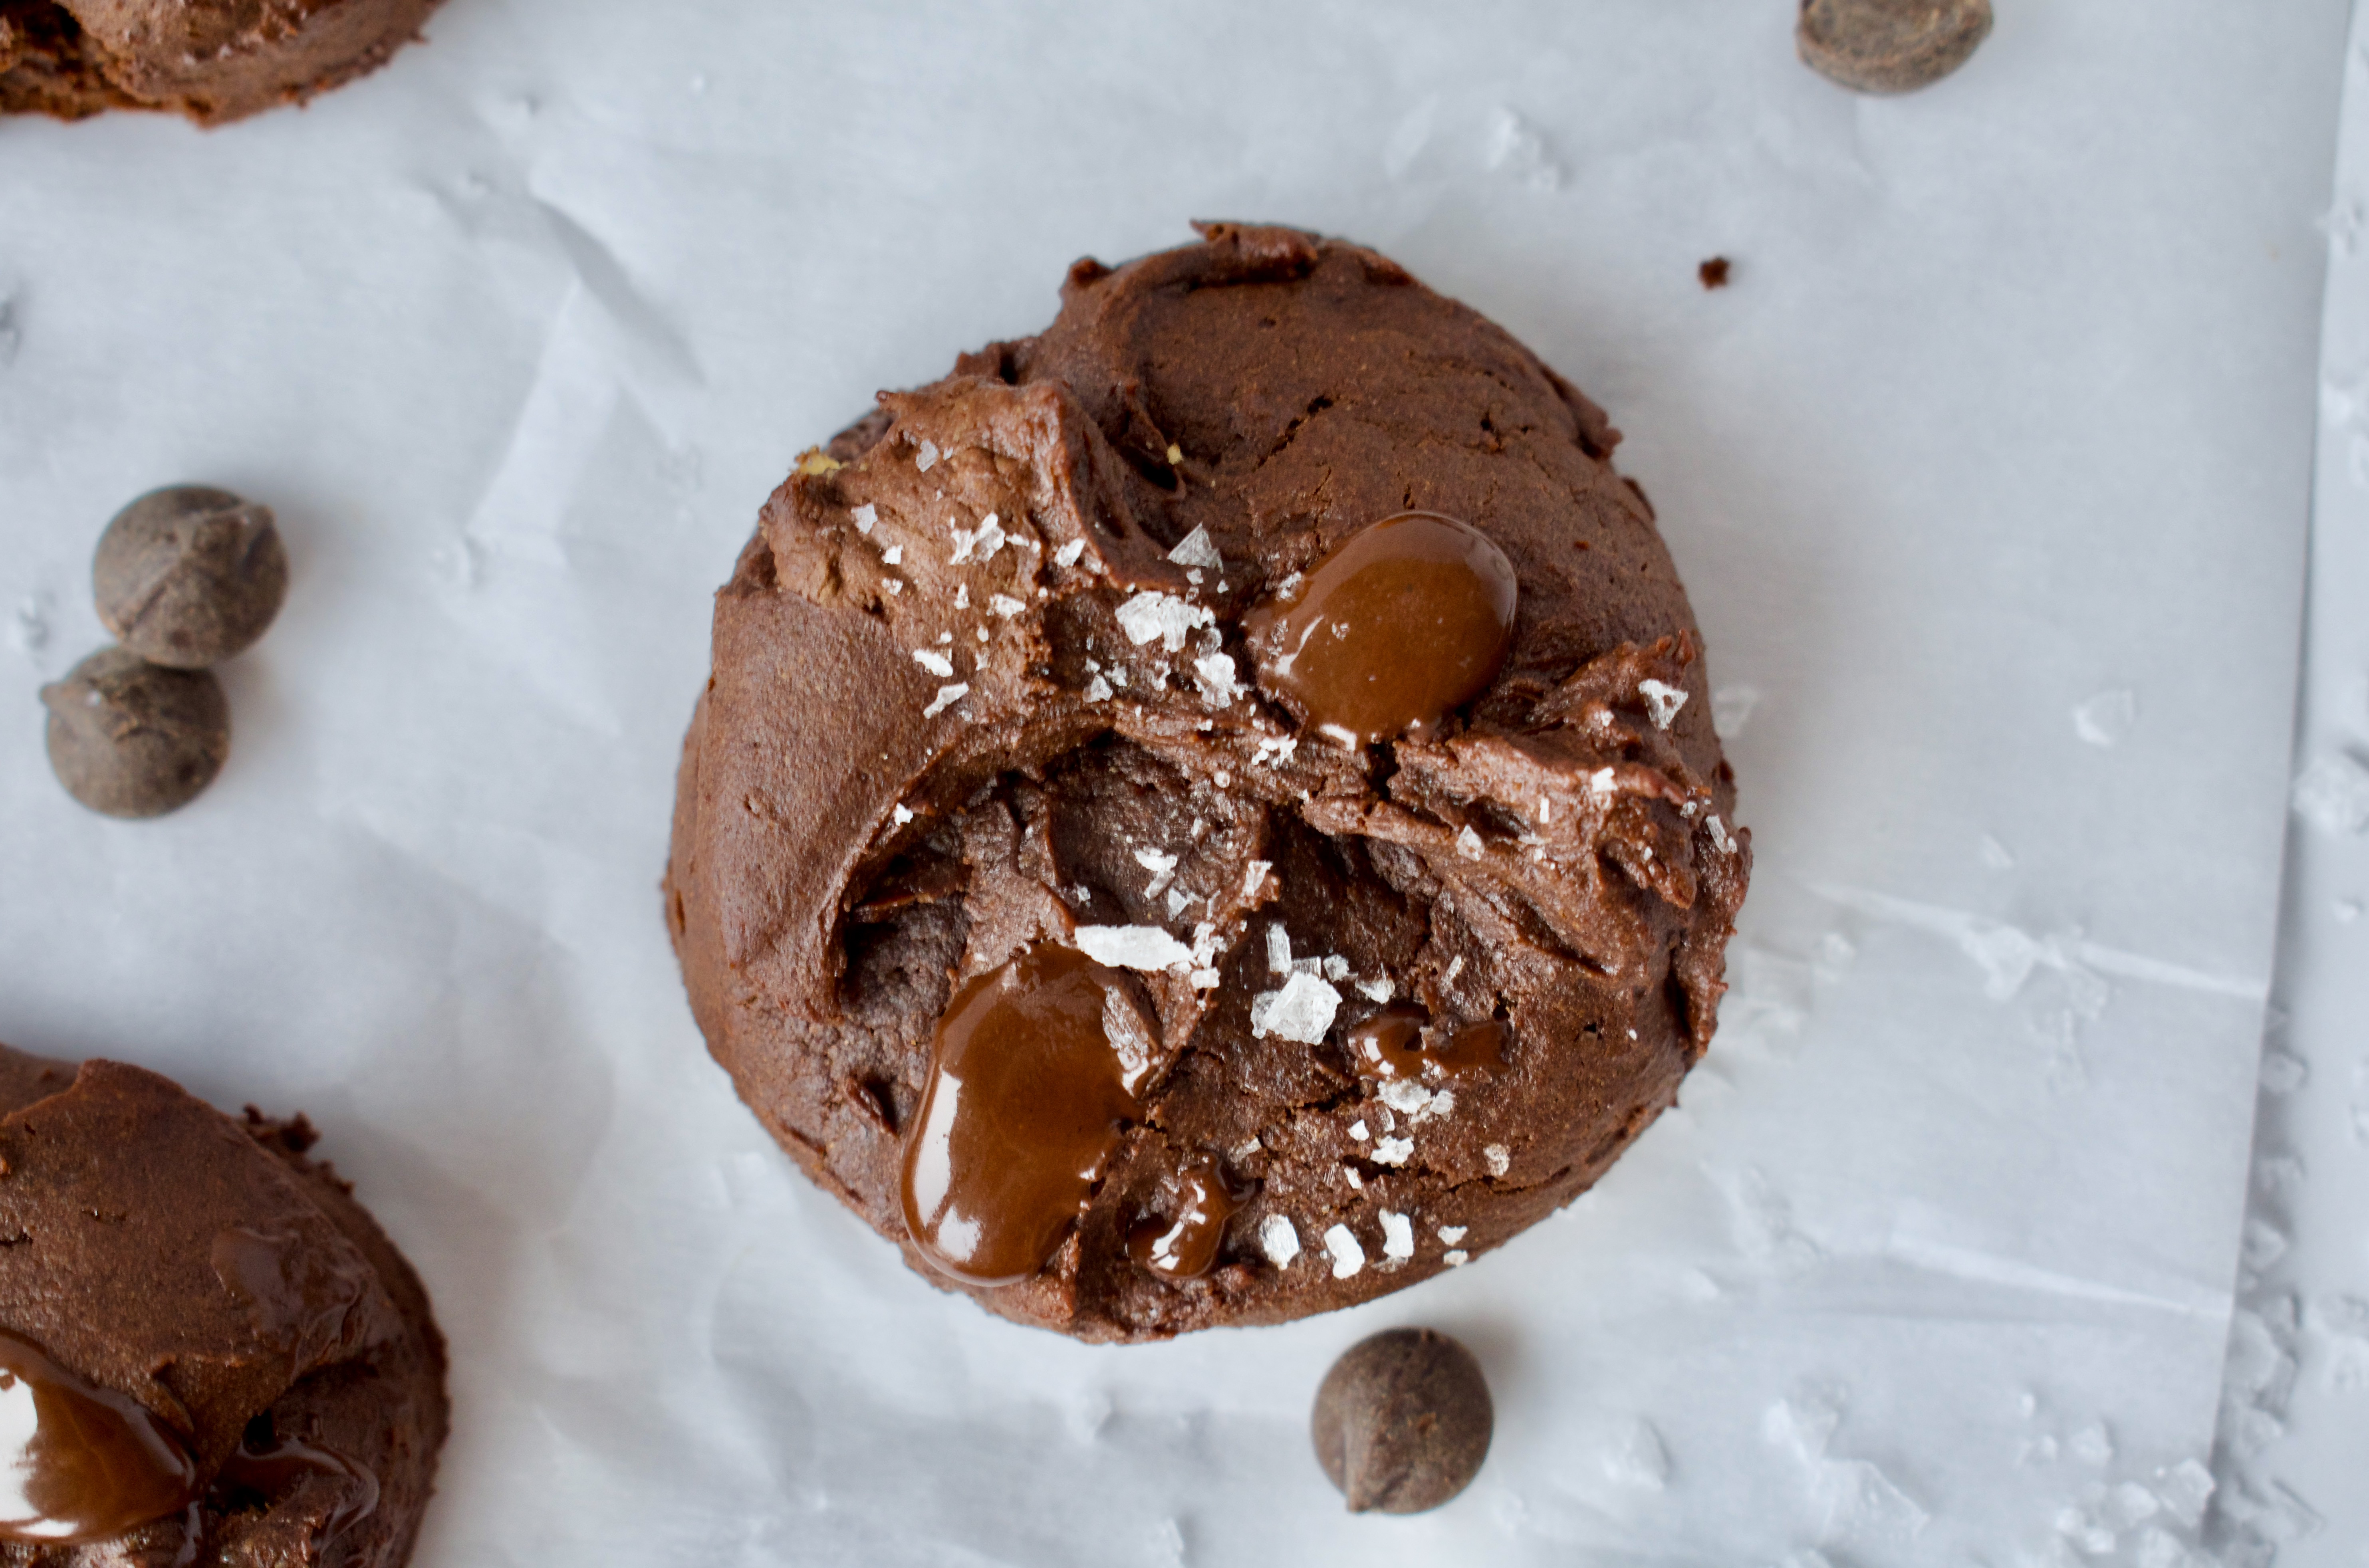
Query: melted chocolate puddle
(80,1463)
(1035,1071)
(1407,620)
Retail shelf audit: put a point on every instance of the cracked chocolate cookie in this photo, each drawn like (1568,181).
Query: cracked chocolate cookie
(209,1352)
(213,60)
(1208,814)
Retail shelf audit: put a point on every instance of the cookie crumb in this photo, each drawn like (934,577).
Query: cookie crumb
(1714,272)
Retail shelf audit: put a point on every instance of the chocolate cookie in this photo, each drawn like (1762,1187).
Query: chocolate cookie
(215,60)
(214,1356)
(1209,814)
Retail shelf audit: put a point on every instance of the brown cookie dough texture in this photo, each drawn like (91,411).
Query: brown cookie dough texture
(980,683)
(215,60)
(206,1270)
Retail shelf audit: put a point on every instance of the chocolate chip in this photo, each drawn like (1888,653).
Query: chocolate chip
(1890,46)
(1403,1421)
(131,739)
(187,577)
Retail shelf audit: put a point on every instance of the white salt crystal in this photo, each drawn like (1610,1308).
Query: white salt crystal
(894,555)
(1278,948)
(1501,1159)
(1349,1173)
(1197,549)
(928,457)
(894,586)
(1145,948)
(1719,835)
(1455,967)
(1357,1130)
(937,664)
(1004,606)
(1392,1150)
(1336,968)
(1278,1240)
(1348,1256)
(1152,613)
(1662,702)
(1456,1259)
(1218,679)
(1600,784)
(1254,877)
(1377,990)
(947,697)
(1468,843)
(1398,1235)
(962,602)
(1301,1010)
(1066,556)
(1451,1234)
(1161,866)
(1414,1102)
(1098,690)
(900,816)
(867,518)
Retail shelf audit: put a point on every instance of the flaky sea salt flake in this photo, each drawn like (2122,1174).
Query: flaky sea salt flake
(1066,556)
(1348,1255)
(927,458)
(1301,1010)
(1451,1234)
(899,815)
(867,518)
(1219,681)
(1414,1102)
(1254,877)
(1278,1240)
(1004,606)
(947,697)
(1500,1158)
(937,664)
(1098,690)
(1154,614)
(1662,702)
(1456,1259)
(1378,991)
(1197,549)
(1278,948)
(1392,1150)
(1161,866)
(1398,1235)
(1719,834)
(1144,947)
(1468,843)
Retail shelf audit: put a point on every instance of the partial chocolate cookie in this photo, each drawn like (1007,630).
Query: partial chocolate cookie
(215,60)
(217,1357)
(1209,814)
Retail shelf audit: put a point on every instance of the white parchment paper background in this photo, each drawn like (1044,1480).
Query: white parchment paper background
(1988,475)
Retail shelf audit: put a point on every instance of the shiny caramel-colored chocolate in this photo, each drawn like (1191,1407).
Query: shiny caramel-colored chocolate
(1407,620)
(80,1463)
(1185,1244)
(1035,1069)
(1391,1045)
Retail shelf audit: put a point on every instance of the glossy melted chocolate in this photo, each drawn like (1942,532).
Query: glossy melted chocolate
(1405,622)
(1391,1045)
(1184,1246)
(77,1462)
(1036,1069)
